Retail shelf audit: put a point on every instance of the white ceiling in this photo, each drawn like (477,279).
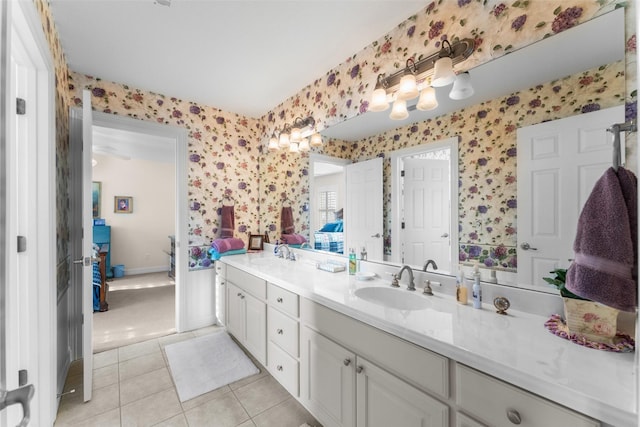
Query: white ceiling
(240,56)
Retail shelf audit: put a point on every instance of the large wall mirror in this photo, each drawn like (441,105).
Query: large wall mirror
(538,83)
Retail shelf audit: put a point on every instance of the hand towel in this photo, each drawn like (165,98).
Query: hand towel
(234,252)
(227,221)
(229,244)
(286,220)
(604,266)
(293,239)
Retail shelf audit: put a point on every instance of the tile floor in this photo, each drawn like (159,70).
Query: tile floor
(132,386)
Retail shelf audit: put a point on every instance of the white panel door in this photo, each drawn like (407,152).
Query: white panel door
(558,164)
(427,225)
(363,208)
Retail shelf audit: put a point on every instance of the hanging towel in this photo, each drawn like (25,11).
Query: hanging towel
(293,239)
(228,244)
(227,222)
(605,268)
(286,220)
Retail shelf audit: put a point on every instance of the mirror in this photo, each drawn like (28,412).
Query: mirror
(524,87)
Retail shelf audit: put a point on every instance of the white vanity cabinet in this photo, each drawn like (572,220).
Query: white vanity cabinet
(499,404)
(247,311)
(283,336)
(221,295)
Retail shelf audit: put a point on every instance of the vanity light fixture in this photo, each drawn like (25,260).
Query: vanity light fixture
(294,137)
(419,77)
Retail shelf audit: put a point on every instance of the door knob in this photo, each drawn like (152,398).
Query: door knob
(86,261)
(377,235)
(527,247)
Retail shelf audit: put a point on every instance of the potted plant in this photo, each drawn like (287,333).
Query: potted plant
(590,319)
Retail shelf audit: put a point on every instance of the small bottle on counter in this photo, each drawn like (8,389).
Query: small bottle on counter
(477,290)
(461,289)
(352,261)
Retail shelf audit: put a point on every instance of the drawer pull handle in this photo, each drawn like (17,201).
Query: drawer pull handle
(239,294)
(513,416)
(279,331)
(279,367)
(347,362)
(279,299)
(359,369)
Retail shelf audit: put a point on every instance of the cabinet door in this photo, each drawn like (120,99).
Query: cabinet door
(384,400)
(327,380)
(221,286)
(235,312)
(255,327)
(463,421)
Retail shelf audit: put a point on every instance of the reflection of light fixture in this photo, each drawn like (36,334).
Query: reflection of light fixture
(94,162)
(462,88)
(294,137)
(412,80)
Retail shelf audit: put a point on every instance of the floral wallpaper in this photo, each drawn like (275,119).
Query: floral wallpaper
(226,150)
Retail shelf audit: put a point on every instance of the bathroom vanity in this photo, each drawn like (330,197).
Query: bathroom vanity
(388,356)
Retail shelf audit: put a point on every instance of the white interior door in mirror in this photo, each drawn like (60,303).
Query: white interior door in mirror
(363,208)
(426,233)
(558,165)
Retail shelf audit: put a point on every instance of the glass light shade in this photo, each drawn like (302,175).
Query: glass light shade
(379,100)
(462,88)
(304,145)
(428,100)
(296,135)
(316,140)
(284,140)
(293,147)
(443,74)
(408,87)
(273,144)
(399,110)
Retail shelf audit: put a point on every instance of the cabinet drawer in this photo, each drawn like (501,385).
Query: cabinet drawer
(283,300)
(248,282)
(284,368)
(283,331)
(492,401)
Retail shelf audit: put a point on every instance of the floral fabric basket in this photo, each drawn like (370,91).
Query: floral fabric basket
(590,319)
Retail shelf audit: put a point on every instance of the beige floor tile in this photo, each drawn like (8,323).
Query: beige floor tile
(145,385)
(207,330)
(261,395)
(225,411)
(73,410)
(103,377)
(105,358)
(203,398)
(141,365)
(287,414)
(137,350)
(174,338)
(151,409)
(177,421)
(247,424)
(108,419)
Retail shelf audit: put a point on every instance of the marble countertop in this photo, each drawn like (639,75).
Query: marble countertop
(515,348)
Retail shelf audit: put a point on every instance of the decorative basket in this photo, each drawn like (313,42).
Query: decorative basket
(590,319)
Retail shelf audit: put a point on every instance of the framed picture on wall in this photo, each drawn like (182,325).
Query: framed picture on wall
(123,204)
(255,242)
(96,188)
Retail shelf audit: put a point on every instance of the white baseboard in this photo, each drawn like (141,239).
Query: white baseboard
(144,270)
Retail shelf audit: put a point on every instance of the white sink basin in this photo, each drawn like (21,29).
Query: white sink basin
(400,299)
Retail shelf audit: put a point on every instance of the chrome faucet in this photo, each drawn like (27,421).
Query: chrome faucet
(305,245)
(433,264)
(412,286)
(278,251)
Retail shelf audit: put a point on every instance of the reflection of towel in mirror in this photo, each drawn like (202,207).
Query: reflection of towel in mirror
(286,220)
(228,244)
(605,266)
(227,222)
(293,239)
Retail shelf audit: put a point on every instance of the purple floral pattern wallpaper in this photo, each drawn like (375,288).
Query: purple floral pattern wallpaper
(226,151)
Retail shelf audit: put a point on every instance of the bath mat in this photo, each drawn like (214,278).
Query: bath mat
(205,363)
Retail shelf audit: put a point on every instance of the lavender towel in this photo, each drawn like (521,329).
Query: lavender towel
(286,220)
(227,221)
(229,244)
(293,239)
(605,266)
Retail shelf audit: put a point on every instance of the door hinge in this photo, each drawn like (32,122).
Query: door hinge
(21,106)
(23,377)
(22,244)
(402,226)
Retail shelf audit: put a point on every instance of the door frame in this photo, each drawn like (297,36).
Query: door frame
(396,179)
(22,19)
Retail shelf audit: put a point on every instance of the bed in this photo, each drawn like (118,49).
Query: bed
(330,237)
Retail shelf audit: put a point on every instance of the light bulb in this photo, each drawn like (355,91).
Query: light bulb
(428,100)
(443,74)
(296,135)
(273,144)
(284,140)
(293,147)
(379,100)
(316,140)
(408,87)
(304,145)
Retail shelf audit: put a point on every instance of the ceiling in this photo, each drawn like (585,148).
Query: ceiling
(221,53)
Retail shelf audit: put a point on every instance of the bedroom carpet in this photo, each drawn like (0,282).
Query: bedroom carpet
(141,307)
(206,363)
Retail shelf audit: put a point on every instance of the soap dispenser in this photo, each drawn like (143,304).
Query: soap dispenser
(477,290)
(461,289)
(352,261)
